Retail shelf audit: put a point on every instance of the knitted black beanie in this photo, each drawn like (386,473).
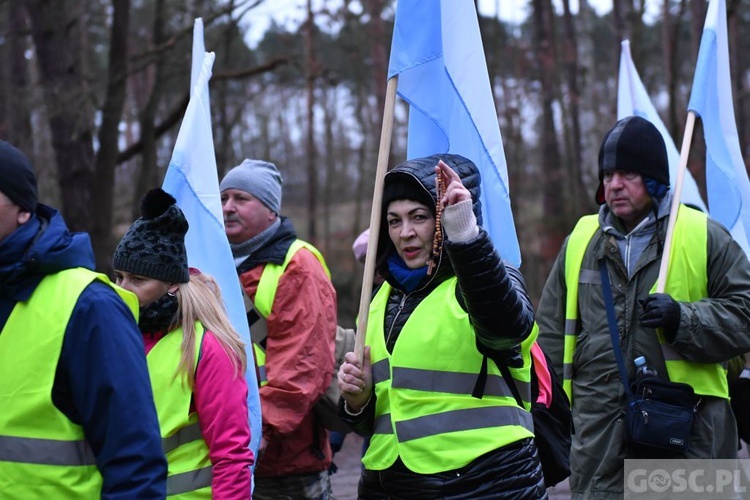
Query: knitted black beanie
(17,178)
(635,144)
(402,186)
(154,246)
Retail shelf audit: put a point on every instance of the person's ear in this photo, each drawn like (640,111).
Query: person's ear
(23,217)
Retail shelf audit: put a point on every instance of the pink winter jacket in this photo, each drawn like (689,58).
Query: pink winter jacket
(220,399)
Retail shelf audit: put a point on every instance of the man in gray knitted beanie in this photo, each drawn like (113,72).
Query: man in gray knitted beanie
(259,178)
(293,321)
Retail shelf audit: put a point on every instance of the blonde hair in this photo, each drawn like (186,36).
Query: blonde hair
(200,300)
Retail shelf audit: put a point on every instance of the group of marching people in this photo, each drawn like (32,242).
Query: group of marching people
(449,304)
(97,403)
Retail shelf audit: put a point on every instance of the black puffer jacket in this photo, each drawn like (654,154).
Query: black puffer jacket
(501,313)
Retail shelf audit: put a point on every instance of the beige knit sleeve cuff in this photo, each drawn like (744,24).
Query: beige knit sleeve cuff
(459,222)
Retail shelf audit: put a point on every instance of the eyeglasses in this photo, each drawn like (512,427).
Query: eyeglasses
(628,175)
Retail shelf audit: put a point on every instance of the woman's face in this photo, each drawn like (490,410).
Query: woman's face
(148,290)
(411,227)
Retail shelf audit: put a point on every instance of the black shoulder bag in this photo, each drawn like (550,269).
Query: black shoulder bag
(660,413)
(553,425)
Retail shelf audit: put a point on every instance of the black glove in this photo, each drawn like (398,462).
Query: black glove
(661,310)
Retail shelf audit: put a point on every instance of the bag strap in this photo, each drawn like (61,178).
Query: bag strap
(255,320)
(509,381)
(608,301)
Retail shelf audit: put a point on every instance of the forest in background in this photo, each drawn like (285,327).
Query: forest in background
(94,92)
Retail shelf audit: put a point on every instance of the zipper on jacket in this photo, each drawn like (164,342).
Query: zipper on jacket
(627,253)
(395,317)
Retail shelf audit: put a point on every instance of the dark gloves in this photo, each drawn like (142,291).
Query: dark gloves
(661,310)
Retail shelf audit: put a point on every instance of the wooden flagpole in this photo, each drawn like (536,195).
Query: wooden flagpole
(377,201)
(687,138)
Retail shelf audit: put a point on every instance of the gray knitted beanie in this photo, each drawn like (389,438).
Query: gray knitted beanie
(154,246)
(259,178)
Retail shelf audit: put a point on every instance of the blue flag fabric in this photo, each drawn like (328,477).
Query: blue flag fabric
(192,178)
(442,73)
(633,99)
(711,98)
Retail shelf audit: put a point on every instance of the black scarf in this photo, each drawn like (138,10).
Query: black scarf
(159,315)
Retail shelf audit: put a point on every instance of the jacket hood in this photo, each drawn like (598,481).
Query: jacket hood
(42,246)
(421,171)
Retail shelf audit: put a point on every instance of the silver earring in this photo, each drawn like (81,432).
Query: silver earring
(171,294)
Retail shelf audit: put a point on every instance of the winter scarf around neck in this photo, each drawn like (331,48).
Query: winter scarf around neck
(159,315)
(409,279)
(241,251)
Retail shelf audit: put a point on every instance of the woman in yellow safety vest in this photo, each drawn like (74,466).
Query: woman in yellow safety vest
(442,419)
(195,358)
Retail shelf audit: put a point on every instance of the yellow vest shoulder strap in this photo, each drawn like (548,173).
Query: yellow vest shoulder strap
(269,280)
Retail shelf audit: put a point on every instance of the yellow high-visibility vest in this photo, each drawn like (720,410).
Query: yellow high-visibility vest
(687,281)
(424,411)
(189,472)
(42,453)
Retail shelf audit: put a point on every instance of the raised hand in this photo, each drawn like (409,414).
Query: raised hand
(455,192)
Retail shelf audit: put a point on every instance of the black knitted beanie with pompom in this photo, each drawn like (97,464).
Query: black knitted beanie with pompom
(154,246)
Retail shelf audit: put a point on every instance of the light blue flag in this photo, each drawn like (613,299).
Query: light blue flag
(633,99)
(442,74)
(726,178)
(192,178)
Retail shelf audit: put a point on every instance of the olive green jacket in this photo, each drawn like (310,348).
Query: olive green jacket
(711,330)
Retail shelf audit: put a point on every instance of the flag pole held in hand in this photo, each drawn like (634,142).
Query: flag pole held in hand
(684,152)
(377,202)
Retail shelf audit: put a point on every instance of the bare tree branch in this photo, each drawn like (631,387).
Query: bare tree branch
(176,113)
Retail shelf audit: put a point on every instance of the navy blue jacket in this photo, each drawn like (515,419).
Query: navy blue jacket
(102,381)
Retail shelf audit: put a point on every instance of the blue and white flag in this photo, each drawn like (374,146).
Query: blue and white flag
(193,180)
(726,178)
(633,99)
(438,56)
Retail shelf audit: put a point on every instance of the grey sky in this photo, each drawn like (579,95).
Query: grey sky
(292,12)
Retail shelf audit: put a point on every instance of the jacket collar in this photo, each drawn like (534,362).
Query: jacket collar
(275,250)
(42,246)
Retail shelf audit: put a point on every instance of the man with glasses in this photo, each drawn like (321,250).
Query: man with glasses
(686,334)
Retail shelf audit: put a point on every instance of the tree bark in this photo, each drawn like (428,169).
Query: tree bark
(553,202)
(55,29)
(312,174)
(109,134)
(618,15)
(148,177)
(735,65)
(670,41)
(15,121)
(570,62)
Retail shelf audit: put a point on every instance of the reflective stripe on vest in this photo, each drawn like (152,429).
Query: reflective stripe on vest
(43,453)
(424,411)
(189,467)
(260,359)
(578,242)
(266,293)
(686,282)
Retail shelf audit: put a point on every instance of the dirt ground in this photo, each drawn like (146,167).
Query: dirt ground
(344,482)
